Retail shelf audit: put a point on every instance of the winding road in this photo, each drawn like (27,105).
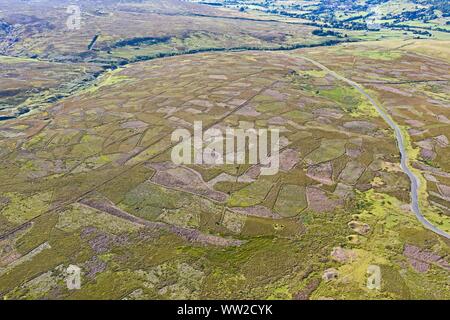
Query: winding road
(415,182)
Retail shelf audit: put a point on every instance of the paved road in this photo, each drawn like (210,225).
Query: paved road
(415,182)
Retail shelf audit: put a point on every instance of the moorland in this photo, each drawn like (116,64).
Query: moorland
(86,176)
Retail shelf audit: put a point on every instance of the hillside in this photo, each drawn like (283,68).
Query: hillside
(358,93)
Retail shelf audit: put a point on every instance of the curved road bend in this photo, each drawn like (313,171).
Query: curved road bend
(415,182)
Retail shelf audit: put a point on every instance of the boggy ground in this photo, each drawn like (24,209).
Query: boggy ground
(90,183)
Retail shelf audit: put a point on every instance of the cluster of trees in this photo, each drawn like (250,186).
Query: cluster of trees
(422,32)
(441,5)
(140,41)
(424,14)
(5,27)
(322,14)
(323,33)
(341,25)
(414,29)
(217,4)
